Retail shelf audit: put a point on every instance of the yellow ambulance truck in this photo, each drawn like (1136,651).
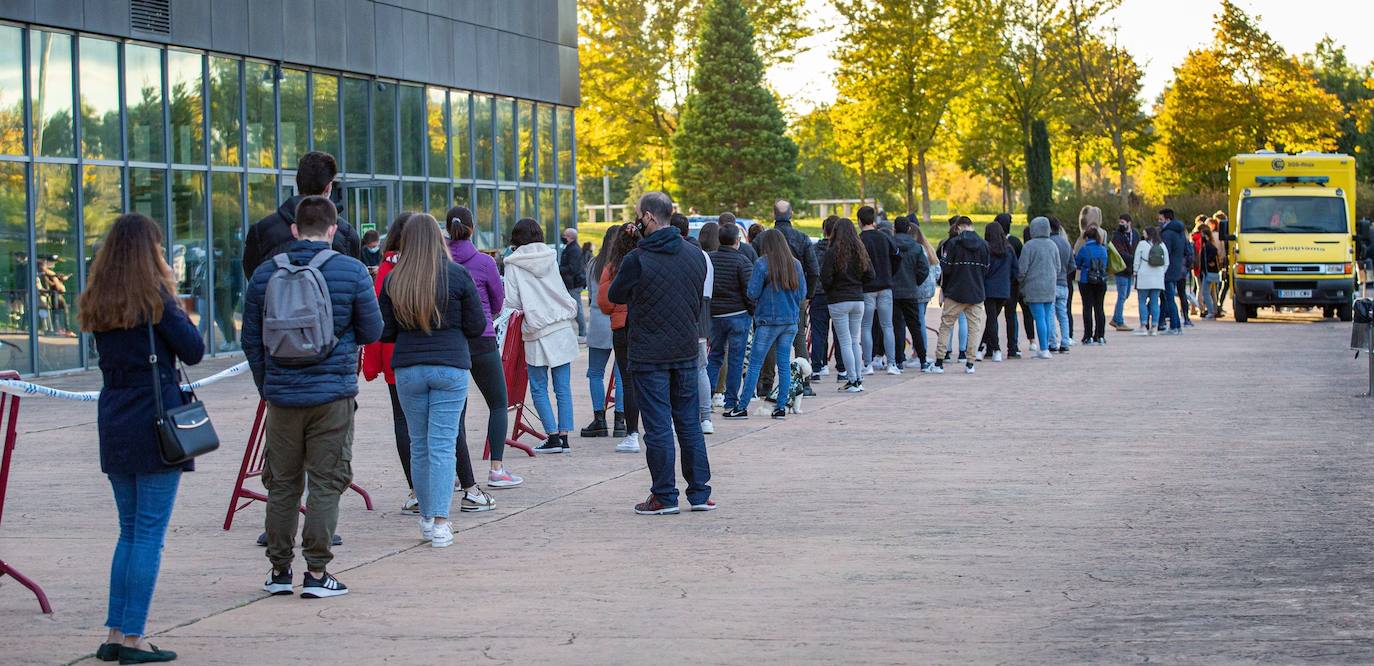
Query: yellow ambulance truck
(1291,233)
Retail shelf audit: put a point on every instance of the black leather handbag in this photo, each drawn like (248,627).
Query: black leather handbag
(183,432)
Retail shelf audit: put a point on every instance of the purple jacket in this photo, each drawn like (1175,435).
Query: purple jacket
(483,271)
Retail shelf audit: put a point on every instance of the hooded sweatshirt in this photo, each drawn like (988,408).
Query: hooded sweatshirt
(883,256)
(271,236)
(662,282)
(482,268)
(1039,267)
(913,270)
(965,259)
(1175,239)
(534,286)
(1065,259)
(1001,272)
(1147,276)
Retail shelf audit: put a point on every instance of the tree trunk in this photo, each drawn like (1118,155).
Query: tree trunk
(1006,188)
(910,193)
(1120,145)
(863,179)
(925,186)
(1077,170)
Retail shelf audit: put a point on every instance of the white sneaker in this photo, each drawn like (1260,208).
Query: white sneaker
(968,368)
(708,428)
(718,400)
(502,478)
(893,370)
(412,505)
(628,445)
(443,536)
(937,370)
(929,367)
(981,354)
(426,528)
(868,369)
(997,357)
(1044,353)
(824,371)
(880,362)
(1141,332)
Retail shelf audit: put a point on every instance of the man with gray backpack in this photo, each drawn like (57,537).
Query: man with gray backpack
(306,313)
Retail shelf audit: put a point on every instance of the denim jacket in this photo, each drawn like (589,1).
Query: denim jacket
(773,306)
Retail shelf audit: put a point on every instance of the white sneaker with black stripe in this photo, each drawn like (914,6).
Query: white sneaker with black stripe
(322,587)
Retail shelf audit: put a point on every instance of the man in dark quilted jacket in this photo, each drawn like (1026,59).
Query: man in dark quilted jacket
(661,284)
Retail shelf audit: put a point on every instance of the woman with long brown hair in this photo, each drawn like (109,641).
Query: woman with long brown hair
(130,305)
(599,348)
(429,309)
(844,271)
(607,264)
(776,287)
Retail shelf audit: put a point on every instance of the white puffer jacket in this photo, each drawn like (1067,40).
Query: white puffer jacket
(1147,276)
(534,286)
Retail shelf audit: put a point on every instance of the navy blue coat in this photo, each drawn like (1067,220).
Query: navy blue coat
(357,321)
(1176,241)
(127,408)
(661,282)
(1001,268)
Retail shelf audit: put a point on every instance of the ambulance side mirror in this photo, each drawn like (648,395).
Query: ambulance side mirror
(1229,238)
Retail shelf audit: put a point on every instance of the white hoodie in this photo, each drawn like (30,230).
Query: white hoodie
(1147,276)
(534,286)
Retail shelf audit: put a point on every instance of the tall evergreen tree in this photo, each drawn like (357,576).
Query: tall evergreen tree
(1039,171)
(731,150)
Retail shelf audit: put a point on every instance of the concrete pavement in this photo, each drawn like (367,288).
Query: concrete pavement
(1199,499)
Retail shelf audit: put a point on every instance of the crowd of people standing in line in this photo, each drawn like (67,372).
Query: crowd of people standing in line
(687,325)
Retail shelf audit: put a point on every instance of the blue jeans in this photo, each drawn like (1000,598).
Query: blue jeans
(1061,317)
(1042,313)
(729,336)
(596,378)
(145,505)
(1149,308)
(668,405)
(1170,306)
(1211,282)
(764,338)
(1123,293)
(432,397)
(704,382)
(562,388)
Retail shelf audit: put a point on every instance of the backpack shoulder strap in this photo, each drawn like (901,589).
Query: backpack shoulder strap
(319,259)
(282,260)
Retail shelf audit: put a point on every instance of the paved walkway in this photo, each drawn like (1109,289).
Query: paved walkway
(1196,499)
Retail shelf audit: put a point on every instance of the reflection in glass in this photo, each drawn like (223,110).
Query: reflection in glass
(190,254)
(529,203)
(545,128)
(14,248)
(484,220)
(481,143)
(143,102)
(462,196)
(101,204)
(148,194)
(325,100)
(224,111)
(436,117)
(550,219)
(50,89)
(99,99)
(458,120)
(184,76)
(566,217)
(226,223)
(295,132)
(505,140)
(412,196)
(259,86)
(54,233)
(414,131)
(262,196)
(12,99)
(505,213)
(384,128)
(565,146)
(526,143)
(356,151)
(438,201)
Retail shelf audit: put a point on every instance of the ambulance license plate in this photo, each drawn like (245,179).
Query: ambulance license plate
(1295,293)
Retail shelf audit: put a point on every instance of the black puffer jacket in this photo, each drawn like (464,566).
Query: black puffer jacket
(731,281)
(883,255)
(448,343)
(803,250)
(661,282)
(271,236)
(964,264)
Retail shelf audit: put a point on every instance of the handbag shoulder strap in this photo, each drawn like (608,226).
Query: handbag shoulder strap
(157,380)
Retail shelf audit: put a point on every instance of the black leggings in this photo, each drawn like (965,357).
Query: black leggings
(489,378)
(992,308)
(1094,317)
(906,317)
(620,344)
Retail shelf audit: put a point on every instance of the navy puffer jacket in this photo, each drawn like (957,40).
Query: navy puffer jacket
(357,321)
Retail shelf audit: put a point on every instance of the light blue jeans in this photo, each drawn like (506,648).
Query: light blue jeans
(145,505)
(847,317)
(432,397)
(1061,317)
(596,379)
(1149,308)
(878,303)
(704,383)
(1210,284)
(562,388)
(1042,313)
(1123,293)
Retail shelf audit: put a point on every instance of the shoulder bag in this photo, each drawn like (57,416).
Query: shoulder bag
(183,432)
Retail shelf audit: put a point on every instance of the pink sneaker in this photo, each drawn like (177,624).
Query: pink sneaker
(502,478)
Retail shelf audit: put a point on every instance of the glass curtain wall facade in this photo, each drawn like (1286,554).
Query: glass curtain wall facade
(206,144)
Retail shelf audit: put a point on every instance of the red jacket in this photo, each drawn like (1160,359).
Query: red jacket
(617,312)
(377,356)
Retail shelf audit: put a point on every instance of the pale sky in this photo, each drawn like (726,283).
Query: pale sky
(1158,32)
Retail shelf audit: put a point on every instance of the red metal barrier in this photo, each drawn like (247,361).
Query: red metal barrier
(9,419)
(517,384)
(252,467)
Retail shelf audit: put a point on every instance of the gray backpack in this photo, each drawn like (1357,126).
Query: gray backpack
(298,318)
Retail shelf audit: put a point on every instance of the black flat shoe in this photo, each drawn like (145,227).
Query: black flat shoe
(128,655)
(108,652)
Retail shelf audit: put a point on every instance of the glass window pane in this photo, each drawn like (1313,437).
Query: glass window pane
(295,132)
(12,101)
(481,144)
(99,99)
(325,100)
(547,210)
(50,90)
(526,122)
(54,230)
(143,102)
(147,194)
(224,111)
(437,118)
(412,196)
(484,220)
(565,146)
(566,218)
(384,128)
(461,197)
(505,213)
(184,76)
(190,252)
(529,203)
(545,129)
(438,201)
(262,196)
(259,88)
(458,120)
(101,204)
(14,242)
(505,140)
(414,131)
(226,224)
(356,150)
